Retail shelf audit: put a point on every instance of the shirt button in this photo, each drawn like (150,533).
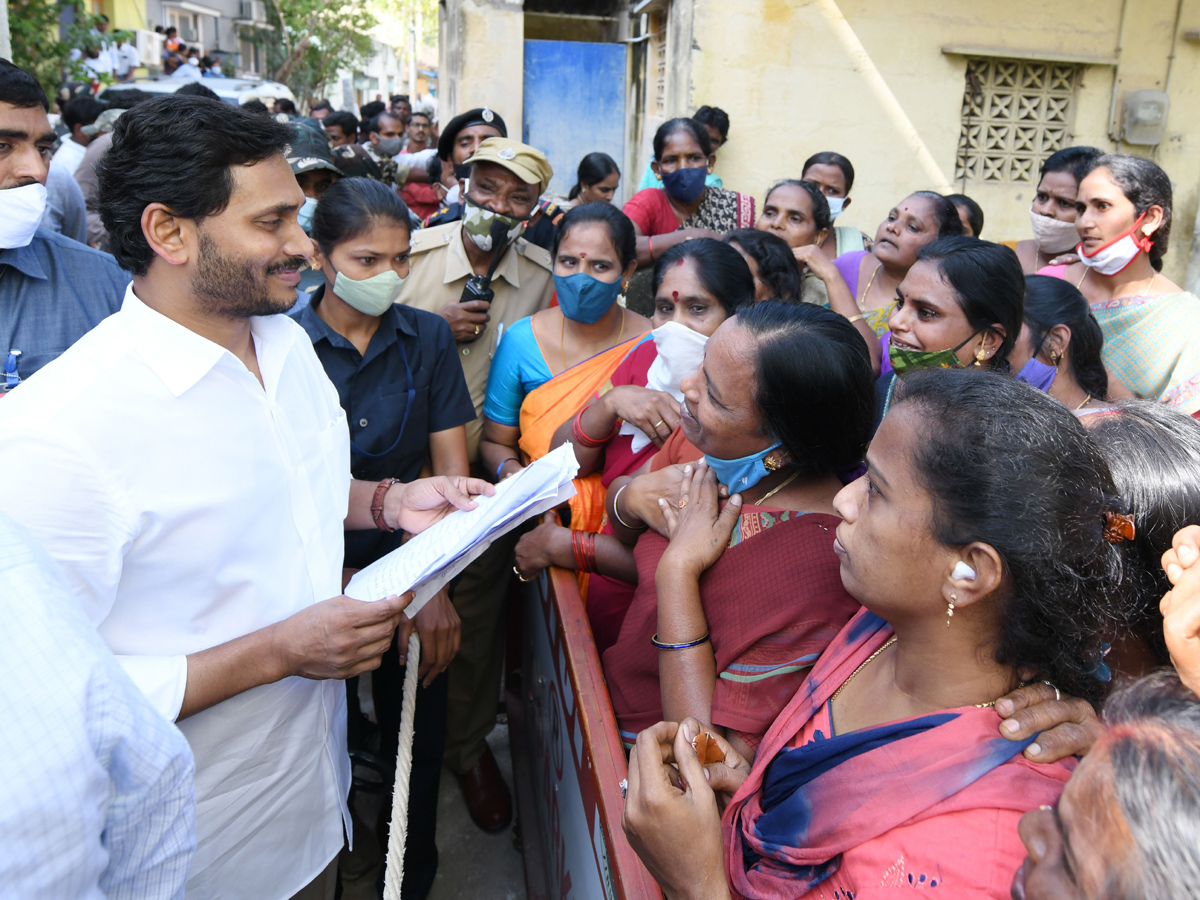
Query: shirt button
(466,351)
(362,423)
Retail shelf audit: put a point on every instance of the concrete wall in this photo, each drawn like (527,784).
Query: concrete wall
(868,78)
(481,58)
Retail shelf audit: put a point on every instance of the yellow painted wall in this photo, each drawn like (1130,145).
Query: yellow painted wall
(482,59)
(788,77)
(126,15)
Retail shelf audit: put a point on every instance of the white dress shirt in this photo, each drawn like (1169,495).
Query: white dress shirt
(69,154)
(189,505)
(96,796)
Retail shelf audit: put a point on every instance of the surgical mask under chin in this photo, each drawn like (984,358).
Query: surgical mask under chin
(685,185)
(836,204)
(583,298)
(305,215)
(904,360)
(389,147)
(1053,236)
(1038,374)
(23,210)
(1115,256)
(741,474)
(477,223)
(372,296)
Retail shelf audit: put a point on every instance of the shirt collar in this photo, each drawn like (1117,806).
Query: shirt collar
(180,357)
(318,329)
(25,260)
(459,266)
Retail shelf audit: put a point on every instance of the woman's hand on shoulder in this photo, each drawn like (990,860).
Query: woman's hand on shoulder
(1061,725)
(698,528)
(1180,606)
(656,413)
(671,816)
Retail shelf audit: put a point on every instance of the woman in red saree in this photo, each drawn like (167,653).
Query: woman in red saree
(982,549)
(549,365)
(684,207)
(697,286)
(773,601)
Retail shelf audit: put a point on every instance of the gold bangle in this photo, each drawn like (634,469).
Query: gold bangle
(857,318)
(617,511)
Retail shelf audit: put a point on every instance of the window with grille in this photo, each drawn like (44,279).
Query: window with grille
(1015,113)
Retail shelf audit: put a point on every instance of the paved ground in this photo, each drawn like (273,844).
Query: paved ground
(472,864)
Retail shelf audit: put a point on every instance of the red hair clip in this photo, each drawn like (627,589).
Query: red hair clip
(1118,527)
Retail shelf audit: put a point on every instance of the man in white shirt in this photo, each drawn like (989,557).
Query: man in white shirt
(187,465)
(96,795)
(79,112)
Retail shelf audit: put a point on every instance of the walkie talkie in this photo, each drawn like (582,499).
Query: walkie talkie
(478,287)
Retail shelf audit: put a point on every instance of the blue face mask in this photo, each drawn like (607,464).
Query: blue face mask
(741,474)
(305,214)
(1038,374)
(685,185)
(583,298)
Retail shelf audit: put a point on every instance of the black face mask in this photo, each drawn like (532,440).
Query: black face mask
(462,171)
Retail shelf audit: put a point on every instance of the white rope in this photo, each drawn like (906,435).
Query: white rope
(398,830)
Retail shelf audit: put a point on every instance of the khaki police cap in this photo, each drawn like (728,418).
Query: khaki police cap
(528,164)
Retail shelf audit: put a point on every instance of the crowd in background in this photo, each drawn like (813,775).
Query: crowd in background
(888,534)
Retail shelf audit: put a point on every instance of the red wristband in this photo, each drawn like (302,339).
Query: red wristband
(377,504)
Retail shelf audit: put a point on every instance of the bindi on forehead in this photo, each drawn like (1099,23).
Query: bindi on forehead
(675,295)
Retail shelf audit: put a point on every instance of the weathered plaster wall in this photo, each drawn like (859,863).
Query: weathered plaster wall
(788,74)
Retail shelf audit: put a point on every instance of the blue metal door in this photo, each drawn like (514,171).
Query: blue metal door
(574,104)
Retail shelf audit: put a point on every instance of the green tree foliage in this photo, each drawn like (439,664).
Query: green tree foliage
(315,38)
(36,43)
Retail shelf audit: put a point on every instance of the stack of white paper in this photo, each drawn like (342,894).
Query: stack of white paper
(430,559)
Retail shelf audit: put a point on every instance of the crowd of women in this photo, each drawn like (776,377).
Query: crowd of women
(888,543)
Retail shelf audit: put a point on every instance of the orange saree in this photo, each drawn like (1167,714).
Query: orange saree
(547,407)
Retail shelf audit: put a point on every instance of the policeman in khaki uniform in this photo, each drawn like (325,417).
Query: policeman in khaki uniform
(506,180)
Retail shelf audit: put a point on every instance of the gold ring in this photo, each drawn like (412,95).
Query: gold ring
(521,577)
(682,502)
(477,329)
(656,424)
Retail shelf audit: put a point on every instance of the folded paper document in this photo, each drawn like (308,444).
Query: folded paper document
(430,559)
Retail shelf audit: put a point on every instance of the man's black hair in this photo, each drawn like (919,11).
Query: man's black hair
(81,110)
(284,105)
(178,151)
(20,89)
(323,104)
(371,110)
(256,106)
(196,89)
(343,120)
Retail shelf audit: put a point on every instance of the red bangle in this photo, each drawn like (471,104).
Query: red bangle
(650,244)
(377,504)
(591,552)
(582,438)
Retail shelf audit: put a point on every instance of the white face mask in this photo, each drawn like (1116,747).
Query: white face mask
(835,206)
(23,209)
(372,296)
(1053,236)
(680,353)
(1115,256)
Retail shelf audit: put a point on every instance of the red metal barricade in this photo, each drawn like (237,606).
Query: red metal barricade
(567,757)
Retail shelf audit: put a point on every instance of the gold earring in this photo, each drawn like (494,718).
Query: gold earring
(773,462)
(980,356)
(950,609)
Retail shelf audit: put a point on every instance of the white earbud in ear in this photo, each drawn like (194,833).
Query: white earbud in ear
(963,571)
